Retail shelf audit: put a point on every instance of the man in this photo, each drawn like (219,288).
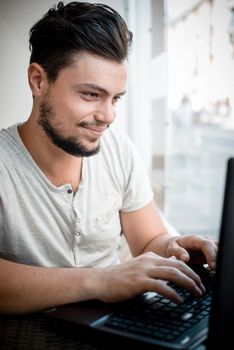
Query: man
(71,184)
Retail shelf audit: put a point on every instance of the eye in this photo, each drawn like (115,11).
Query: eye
(117,98)
(89,95)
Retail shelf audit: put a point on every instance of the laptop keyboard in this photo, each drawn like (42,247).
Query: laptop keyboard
(155,316)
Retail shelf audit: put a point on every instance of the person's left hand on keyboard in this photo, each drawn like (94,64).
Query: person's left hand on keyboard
(193,249)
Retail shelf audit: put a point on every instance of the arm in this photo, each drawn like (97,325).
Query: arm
(145,231)
(26,288)
(142,227)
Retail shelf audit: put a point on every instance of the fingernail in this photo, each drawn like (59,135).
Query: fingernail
(184,257)
(179,300)
(213,265)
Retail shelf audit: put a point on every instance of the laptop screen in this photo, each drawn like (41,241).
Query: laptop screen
(221,328)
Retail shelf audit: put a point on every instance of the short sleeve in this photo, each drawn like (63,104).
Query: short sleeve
(138,192)
(1,194)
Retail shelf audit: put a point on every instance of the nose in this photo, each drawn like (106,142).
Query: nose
(106,113)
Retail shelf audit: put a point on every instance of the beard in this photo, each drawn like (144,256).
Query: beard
(71,145)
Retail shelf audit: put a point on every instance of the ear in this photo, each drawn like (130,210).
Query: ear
(37,79)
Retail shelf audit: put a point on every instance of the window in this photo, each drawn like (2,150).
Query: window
(200,133)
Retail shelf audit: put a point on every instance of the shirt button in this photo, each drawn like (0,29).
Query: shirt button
(78,220)
(77,233)
(69,191)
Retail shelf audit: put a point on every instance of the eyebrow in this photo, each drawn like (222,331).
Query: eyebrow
(98,88)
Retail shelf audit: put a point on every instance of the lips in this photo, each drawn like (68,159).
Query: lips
(93,129)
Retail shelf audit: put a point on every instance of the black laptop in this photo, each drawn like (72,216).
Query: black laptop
(152,321)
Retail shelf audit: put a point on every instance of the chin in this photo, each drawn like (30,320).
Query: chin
(91,145)
(94,148)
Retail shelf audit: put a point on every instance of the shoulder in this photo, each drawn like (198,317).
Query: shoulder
(8,139)
(9,146)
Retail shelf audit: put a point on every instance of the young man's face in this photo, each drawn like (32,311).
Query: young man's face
(78,107)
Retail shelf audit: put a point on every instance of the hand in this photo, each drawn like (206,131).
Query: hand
(194,249)
(146,273)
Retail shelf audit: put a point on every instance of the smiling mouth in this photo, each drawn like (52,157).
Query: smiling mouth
(94,130)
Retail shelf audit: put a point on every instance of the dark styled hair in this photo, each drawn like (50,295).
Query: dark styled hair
(78,26)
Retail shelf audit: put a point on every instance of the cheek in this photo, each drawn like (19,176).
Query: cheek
(74,109)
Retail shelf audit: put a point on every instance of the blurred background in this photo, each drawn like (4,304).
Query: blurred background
(179,107)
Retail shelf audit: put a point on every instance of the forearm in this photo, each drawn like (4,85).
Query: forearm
(159,244)
(26,288)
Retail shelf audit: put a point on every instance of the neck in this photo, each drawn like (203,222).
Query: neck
(59,166)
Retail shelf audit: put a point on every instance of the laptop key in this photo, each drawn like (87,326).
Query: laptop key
(186,316)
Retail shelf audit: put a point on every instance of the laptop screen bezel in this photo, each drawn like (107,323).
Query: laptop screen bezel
(222,311)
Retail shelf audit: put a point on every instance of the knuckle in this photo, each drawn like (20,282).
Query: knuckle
(180,264)
(149,255)
(173,272)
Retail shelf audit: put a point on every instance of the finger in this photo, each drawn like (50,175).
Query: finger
(174,249)
(163,289)
(196,243)
(182,267)
(176,276)
(209,249)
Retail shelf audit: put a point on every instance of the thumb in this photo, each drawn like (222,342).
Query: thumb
(180,253)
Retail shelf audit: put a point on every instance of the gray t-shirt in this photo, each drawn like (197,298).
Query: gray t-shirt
(45,225)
